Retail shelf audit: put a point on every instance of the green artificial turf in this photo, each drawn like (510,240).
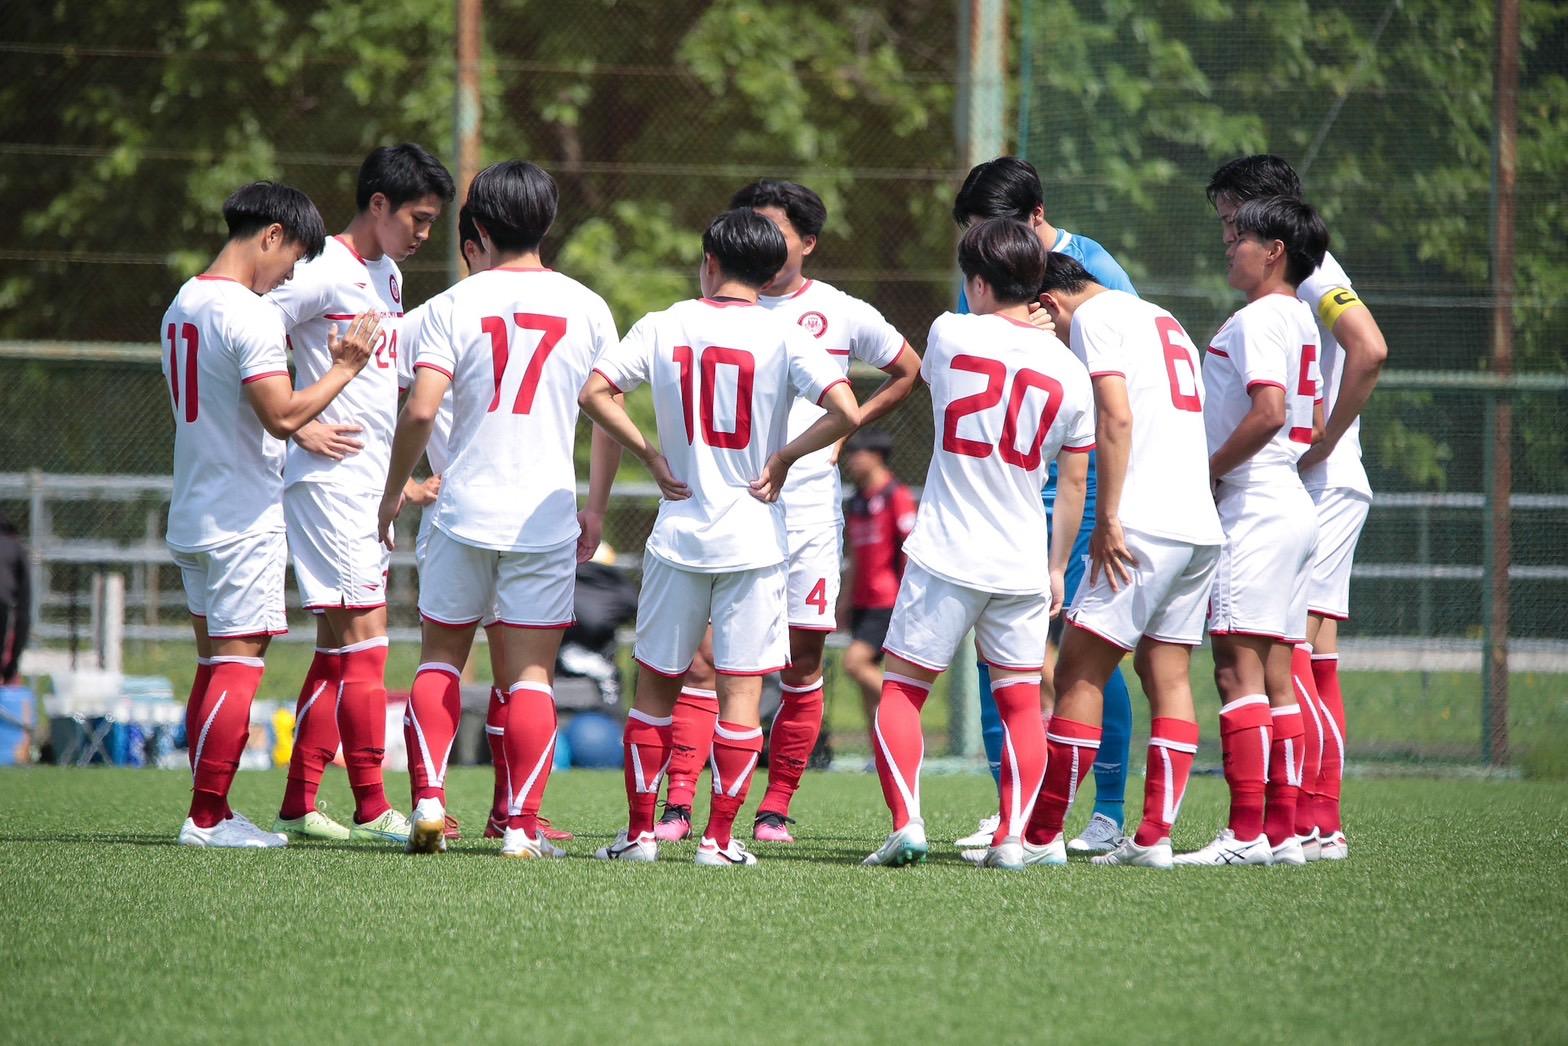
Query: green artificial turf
(1447,924)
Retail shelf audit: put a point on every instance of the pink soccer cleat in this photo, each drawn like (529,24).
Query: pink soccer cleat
(674,825)
(772,828)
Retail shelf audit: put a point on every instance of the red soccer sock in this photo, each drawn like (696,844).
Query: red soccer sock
(193,704)
(315,733)
(495,734)
(736,749)
(1245,737)
(1311,739)
(435,705)
(648,749)
(362,723)
(221,735)
(1070,747)
(796,728)
(1172,745)
(691,738)
(900,746)
(1284,783)
(530,752)
(1023,754)
(1325,671)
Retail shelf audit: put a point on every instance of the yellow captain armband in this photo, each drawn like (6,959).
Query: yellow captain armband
(1335,304)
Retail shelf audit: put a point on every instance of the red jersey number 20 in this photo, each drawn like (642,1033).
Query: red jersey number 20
(995,373)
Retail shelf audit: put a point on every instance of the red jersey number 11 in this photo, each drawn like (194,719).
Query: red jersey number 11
(192,338)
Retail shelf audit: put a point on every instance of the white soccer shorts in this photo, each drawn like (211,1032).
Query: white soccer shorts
(815,569)
(461,585)
(1167,599)
(422,543)
(339,562)
(1260,588)
(747,608)
(238,587)
(1341,515)
(932,616)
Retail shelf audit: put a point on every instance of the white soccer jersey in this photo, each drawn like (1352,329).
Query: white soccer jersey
(1271,341)
(1325,292)
(1166,490)
(724,374)
(333,289)
(437,449)
(1005,398)
(228,470)
(518,345)
(847,328)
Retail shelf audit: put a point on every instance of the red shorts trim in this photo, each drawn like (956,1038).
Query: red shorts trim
(1096,633)
(1015,668)
(543,628)
(1327,615)
(824,629)
(661,672)
(454,625)
(753,672)
(1255,635)
(314,607)
(913,660)
(247,635)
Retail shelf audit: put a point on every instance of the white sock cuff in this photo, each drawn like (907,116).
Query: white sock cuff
(651,720)
(532,688)
(1326,657)
(1285,710)
(494,731)
(1076,742)
(699,693)
(1028,680)
(1175,746)
(736,735)
(804,688)
(1243,702)
(204,661)
(1304,646)
(364,644)
(905,680)
(234,659)
(329,650)
(440,666)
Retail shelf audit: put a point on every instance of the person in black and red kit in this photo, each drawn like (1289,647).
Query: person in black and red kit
(878,519)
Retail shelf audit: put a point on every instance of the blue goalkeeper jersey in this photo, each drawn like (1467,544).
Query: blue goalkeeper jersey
(1097,261)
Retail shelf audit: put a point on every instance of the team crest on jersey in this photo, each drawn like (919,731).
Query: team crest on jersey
(397,298)
(815,323)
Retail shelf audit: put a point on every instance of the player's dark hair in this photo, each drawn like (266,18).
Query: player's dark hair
(747,246)
(467,231)
(251,208)
(1064,274)
(1008,255)
(1005,187)
(1252,177)
(874,440)
(514,201)
(402,173)
(804,208)
(1293,222)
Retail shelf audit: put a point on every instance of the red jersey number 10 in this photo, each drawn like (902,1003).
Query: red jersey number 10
(713,357)
(192,338)
(552,327)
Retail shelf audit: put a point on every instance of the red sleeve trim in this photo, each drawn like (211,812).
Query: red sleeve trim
(838,352)
(337,315)
(1079,450)
(1254,384)
(435,367)
(830,388)
(1108,374)
(611,383)
(906,347)
(268,374)
(1221,353)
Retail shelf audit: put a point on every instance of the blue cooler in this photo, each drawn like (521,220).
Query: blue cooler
(17,705)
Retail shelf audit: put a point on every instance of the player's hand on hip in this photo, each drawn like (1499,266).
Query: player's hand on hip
(1058,586)
(592,524)
(330,441)
(1315,456)
(1041,318)
(1108,552)
(352,349)
(767,486)
(424,492)
(670,488)
(390,507)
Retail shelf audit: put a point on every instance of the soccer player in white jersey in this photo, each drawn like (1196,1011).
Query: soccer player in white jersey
(330,505)
(233,404)
(1006,398)
(1351,353)
(514,344)
(725,374)
(849,329)
(1153,552)
(1262,413)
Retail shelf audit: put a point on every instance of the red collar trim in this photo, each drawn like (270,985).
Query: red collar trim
(726,303)
(349,246)
(225,279)
(1019,323)
(522,268)
(804,287)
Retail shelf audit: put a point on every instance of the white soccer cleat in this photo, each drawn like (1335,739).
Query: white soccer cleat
(519,844)
(1129,854)
(1052,854)
(1310,848)
(983,834)
(428,835)
(641,849)
(1007,855)
(1334,848)
(905,846)
(1289,852)
(1101,835)
(251,826)
(711,855)
(1226,849)
(390,827)
(229,834)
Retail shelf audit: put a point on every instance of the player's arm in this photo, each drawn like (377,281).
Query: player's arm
(283,410)
(604,461)
(1264,418)
(1113,446)
(902,374)
(414,424)
(602,402)
(843,415)
(1072,476)
(1365,352)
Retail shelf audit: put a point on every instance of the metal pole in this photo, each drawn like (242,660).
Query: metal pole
(1500,476)
(467,115)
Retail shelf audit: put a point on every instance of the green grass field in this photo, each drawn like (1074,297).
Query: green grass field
(1446,925)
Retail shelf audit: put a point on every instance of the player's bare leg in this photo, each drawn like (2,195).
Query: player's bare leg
(737,747)
(691,737)
(796,728)
(221,719)
(435,707)
(361,636)
(859,663)
(528,673)
(1323,636)
(899,747)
